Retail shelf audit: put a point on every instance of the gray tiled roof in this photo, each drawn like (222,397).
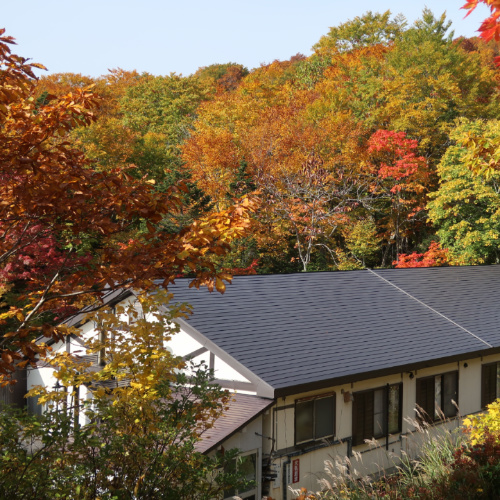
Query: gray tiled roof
(301,329)
(468,295)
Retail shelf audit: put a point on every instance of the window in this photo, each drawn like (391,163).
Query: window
(246,464)
(33,407)
(314,418)
(437,396)
(376,413)
(490,383)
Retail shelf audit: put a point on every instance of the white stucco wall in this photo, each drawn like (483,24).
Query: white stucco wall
(246,439)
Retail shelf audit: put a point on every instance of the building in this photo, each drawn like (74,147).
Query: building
(322,361)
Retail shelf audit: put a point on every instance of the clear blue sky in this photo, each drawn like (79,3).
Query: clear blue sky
(163,36)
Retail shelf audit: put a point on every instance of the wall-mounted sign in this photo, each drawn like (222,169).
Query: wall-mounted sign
(295,470)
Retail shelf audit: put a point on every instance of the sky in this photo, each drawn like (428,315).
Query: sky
(164,36)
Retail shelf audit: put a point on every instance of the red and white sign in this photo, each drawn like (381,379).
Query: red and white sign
(295,470)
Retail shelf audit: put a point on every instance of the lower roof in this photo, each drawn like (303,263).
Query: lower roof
(242,409)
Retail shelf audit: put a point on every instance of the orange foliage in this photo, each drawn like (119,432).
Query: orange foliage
(435,256)
(307,166)
(110,87)
(53,198)
(216,158)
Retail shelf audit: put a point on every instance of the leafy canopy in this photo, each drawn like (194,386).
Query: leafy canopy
(69,231)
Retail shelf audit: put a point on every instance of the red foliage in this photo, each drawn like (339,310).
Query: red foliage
(490,27)
(243,271)
(400,158)
(38,256)
(475,471)
(435,256)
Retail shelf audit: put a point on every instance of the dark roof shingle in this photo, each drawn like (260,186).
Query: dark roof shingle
(298,329)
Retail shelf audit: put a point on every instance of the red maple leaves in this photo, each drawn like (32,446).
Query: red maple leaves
(398,153)
(435,256)
(490,27)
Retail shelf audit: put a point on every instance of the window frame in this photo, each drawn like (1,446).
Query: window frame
(360,434)
(485,398)
(437,416)
(34,408)
(255,488)
(314,439)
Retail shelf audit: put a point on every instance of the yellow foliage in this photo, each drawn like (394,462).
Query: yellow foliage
(132,346)
(362,239)
(477,425)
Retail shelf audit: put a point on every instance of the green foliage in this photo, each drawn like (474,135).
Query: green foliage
(466,207)
(428,27)
(418,85)
(161,110)
(163,105)
(368,30)
(310,71)
(363,241)
(430,81)
(43,457)
(225,76)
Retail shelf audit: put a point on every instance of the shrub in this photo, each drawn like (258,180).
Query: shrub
(484,424)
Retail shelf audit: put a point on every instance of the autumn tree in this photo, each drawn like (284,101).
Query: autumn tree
(419,84)
(306,163)
(434,256)
(221,130)
(310,205)
(110,88)
(107,141)
(363,31)
(53,199)
(128,430)
(362,241)
(222,77)
(141,120)
(431,82)
(402,187)
(466,208)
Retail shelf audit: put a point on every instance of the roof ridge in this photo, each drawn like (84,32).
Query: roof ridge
(429,307)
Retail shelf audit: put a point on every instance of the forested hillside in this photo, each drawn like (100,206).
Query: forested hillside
(380,149)
(357,155)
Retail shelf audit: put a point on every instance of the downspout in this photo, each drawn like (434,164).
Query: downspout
(387,417)
(284,475)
